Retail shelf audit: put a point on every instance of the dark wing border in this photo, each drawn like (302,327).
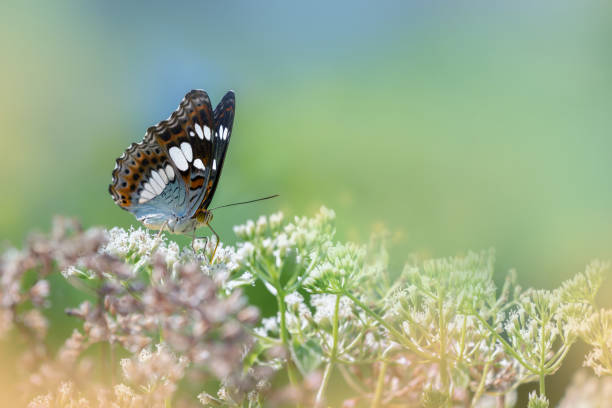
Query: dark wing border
(224,119)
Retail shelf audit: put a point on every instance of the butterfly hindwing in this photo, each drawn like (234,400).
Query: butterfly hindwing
(145,183)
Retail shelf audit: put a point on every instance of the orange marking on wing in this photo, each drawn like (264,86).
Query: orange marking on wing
(197,184)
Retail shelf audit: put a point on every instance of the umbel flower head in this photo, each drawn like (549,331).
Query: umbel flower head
(166,327)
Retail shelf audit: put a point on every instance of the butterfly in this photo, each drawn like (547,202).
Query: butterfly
(169,179)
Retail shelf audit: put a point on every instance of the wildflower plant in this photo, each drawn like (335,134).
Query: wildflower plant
(174,329)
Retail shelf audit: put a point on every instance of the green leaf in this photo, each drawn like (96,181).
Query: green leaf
(307,356)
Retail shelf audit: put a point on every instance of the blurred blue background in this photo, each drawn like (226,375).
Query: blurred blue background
(457,125)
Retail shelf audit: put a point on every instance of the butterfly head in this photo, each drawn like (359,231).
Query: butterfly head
(203,216)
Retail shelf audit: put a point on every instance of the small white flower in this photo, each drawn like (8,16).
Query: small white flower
(293,299)
(240,231)
(276,219)
(325,305)
(270,324)
(261,225)
(250,228)
(244,252)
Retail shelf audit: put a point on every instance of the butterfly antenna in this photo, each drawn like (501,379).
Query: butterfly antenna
(245,202)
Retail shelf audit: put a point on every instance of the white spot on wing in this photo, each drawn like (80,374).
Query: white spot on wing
(155,176)
(156,187)
(163,176)
(214,164)
(170,172)
(198,130)
(191,133)
(187,152)
(147,187)
(225,133)
(177,157)
(145,196)
(198,164)
(207,132)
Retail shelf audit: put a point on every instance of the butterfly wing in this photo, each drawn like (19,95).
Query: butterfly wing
(182,146)
(144,182)
(188,138)
(223,123)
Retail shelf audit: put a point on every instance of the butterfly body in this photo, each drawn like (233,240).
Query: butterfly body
(168,180)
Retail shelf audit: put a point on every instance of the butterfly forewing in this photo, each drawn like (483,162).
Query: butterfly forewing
(224,121)
(187,137)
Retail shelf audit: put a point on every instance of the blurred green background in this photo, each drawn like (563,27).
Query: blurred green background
(457,125)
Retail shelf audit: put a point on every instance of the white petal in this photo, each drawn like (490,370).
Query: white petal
(177,157)
(186,148)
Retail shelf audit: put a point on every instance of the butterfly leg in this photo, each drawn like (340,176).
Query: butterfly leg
(193,237)
(216,243)
(161,230)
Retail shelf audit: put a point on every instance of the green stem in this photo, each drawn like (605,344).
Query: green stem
(542,359)
(506,345)
(462,343)
(444,377)
(321,393)
(399,337)
(380,383)
(332,357)
(483,377)
(284,335)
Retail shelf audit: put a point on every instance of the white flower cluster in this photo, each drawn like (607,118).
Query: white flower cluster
(135,242)
(440,334)
(154,369)
(537,401)
(343,267)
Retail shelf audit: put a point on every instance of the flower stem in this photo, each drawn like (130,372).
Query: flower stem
(398,336)
(319,401)
(380,382)
(332,358)
(542,359)
(443,338)
(284,335)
